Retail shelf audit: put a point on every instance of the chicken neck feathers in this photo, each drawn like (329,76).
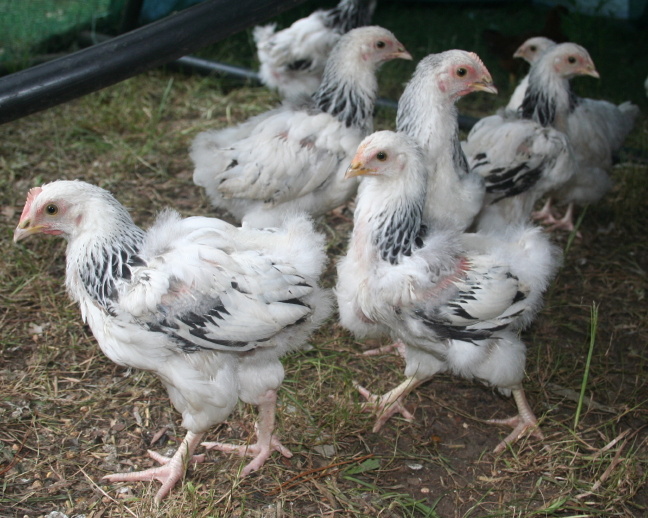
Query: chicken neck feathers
(455,194)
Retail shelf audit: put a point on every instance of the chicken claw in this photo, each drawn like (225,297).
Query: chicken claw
(389,403)
(522,423)
(172,469)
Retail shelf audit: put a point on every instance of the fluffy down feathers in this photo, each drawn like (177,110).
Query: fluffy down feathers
(454,299)
(292,60)
(294,157)
(191,300)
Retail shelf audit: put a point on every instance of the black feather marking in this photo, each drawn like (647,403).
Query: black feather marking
(574,101)
(444,331)
(111,264)
(538,106)
(344,101)
(296,302)
(458,156)
(518,297)
(300,64)
(348,15)
(218,312)
(513,181)
(238,288)
(400,232)
(461,312)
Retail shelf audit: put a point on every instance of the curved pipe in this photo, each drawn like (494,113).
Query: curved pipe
(112,61)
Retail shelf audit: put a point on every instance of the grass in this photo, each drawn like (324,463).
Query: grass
(70,416)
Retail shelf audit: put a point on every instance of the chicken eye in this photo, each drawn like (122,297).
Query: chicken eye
(52,209)
(380,44)
(461,72)
(533,48)
(381,155)
(571,59)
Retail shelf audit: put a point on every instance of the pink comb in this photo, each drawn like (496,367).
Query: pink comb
(31,196)
(477,58)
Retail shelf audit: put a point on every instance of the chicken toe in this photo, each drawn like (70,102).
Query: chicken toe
(524,422)
(172,469)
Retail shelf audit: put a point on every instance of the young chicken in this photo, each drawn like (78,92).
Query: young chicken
(596,130)
(208,307)
(295,158)
(292,60)
(522,156)
(427,113)
(455,300)
(530,51)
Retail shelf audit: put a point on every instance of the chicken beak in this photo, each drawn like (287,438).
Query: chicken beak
(357,169)
(591,71)
(519,53)
(23,230)
(401,53)
(485,85)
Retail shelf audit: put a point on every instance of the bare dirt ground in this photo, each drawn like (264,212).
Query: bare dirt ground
(70,416)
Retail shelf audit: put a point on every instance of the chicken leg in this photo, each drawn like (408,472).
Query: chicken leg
(546,217)
(266,441)
(545,214)
(521,423)
(172,468)
(566,222)
(389,403)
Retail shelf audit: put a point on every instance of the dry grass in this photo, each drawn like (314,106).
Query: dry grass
(70,416)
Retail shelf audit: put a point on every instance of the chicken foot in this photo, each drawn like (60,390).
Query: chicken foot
(521,423)
(389,403)
(172,469)
(547,217)
(266,441)
(545,214)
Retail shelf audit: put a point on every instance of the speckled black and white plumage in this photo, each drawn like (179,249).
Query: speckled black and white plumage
(519,160)
(530,51)
(455,300)
(530,147)
(596,130)
(208,307)
(548,99)
(294,157)
(292,60)
(427,113)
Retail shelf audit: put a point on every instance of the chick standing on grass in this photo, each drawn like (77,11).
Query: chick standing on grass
(208,307)
(427,112)
(456,300)
(295,158)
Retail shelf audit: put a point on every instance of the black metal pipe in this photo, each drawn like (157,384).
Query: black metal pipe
(107,63)
(208,67)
